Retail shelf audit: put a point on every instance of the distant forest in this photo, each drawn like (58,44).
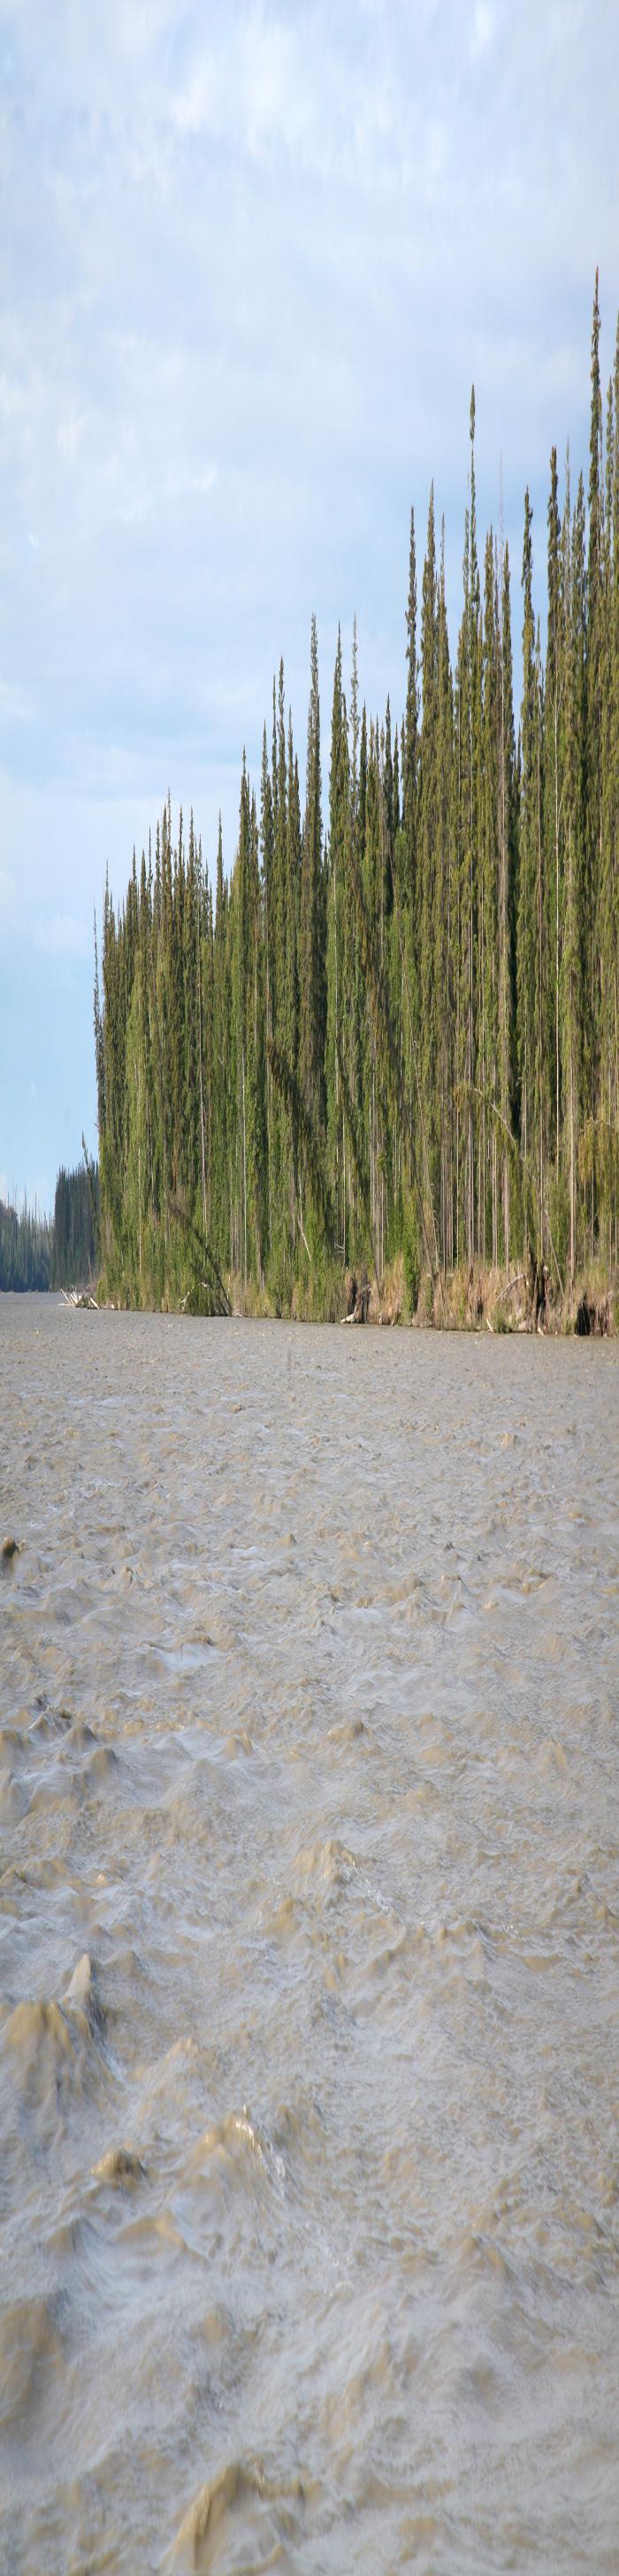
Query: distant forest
(52,1252)
(396,1028)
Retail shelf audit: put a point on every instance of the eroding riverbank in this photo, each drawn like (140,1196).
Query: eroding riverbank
(474,1298)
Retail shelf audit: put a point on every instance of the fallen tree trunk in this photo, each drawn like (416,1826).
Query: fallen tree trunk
(79,1297)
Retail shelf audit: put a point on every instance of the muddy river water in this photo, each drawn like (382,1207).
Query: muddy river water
(309,1945)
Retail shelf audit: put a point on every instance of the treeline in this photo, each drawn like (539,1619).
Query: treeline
(25,1247)
(52,1252)
(397,1026)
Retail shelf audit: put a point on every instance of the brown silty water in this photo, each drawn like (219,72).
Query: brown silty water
(309,2170)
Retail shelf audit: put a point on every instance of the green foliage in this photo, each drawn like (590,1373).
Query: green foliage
(280,1281)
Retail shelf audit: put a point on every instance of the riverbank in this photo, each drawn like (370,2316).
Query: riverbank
(472,1298)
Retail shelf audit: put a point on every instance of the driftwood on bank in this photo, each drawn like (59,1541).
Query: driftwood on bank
(79,1297)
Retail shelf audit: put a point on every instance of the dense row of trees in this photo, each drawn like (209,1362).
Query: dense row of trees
(75,1225)
(52,1252)
(25,1247)
(397,1025)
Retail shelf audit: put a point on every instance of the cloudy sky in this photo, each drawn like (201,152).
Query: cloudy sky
(251,258)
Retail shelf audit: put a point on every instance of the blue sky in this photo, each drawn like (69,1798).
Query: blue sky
(251,258)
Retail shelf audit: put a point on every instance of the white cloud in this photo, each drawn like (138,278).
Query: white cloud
(183,484)
(70,435)
(13,399)
(483,28)
(260,88)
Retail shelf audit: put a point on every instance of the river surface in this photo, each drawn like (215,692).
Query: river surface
(309,2080)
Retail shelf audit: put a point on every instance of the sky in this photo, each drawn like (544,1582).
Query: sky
(251,260)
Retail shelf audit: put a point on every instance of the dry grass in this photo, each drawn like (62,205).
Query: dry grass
(390,1308)
(472,1299)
